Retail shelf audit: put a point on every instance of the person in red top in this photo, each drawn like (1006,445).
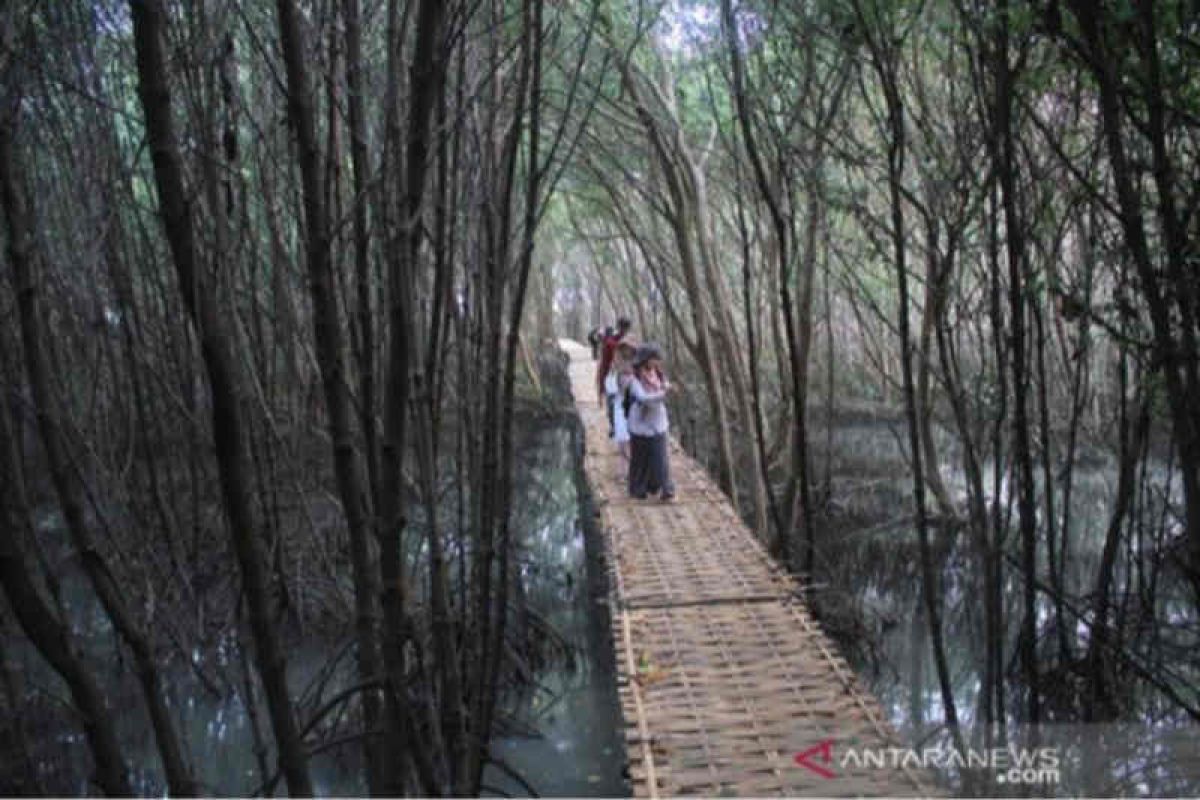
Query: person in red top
(609,349)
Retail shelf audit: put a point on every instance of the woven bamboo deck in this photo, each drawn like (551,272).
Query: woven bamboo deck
(724,677)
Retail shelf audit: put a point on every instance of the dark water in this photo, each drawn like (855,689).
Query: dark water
(869,592)
(578,751)
(562,729)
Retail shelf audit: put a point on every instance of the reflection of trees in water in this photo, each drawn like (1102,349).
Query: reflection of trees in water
(870,600)
(208,695)
(549,557)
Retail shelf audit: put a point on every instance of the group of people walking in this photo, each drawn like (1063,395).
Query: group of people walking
(631,382)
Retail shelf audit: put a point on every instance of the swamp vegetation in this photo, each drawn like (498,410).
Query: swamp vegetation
(287,478)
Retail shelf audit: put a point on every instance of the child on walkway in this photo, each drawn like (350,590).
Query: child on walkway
(594,338)
(607,352)
(649,462)
(621,375)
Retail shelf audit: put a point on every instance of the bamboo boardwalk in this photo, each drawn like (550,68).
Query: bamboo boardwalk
(724,677)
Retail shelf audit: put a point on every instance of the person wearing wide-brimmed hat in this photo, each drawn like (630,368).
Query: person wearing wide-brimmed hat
(649,426)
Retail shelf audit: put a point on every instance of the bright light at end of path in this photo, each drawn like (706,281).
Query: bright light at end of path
(684,25)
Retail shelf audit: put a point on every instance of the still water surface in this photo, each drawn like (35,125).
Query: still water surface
(562,732)
(869,578)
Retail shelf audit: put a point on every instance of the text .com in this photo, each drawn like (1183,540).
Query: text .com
(1010,765)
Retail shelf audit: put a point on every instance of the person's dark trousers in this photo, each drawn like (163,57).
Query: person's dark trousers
(611,401)
(649,466)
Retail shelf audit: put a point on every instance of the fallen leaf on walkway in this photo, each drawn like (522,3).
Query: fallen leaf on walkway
(652,676)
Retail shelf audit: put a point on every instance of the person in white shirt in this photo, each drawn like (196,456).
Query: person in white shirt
(608,352)
(619,377)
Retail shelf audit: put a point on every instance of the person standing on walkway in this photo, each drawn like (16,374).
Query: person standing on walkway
(606,359)
(618,380)
(595,338)
(649,462)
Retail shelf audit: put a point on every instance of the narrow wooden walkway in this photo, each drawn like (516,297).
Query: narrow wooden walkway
(724,676)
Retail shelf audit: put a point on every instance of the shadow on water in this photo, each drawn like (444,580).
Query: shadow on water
(561,727)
